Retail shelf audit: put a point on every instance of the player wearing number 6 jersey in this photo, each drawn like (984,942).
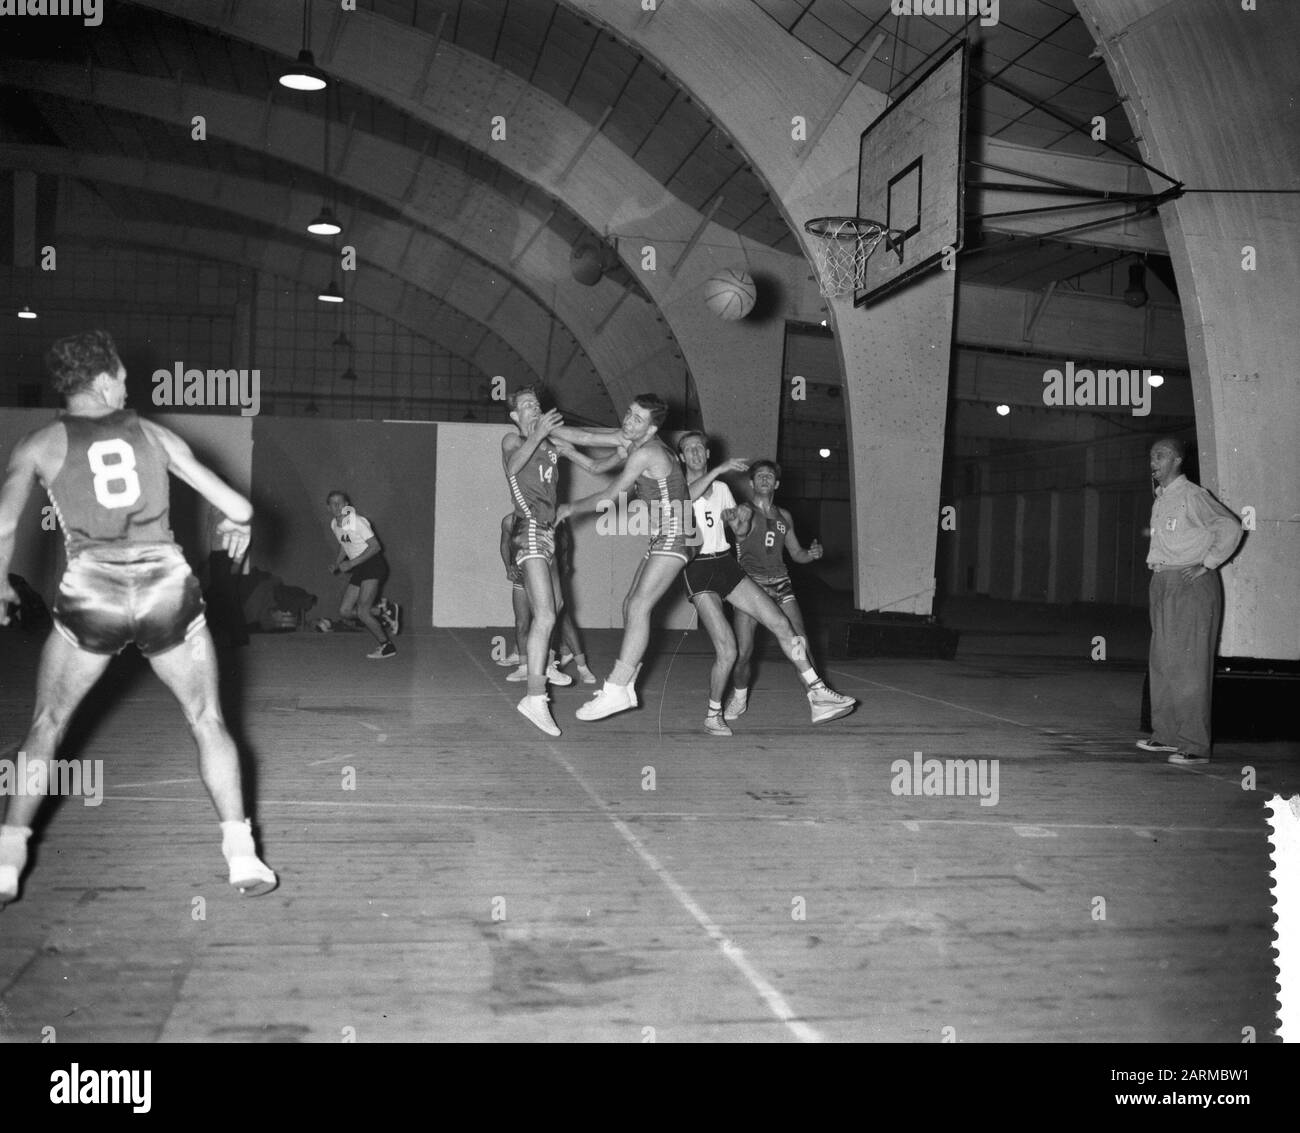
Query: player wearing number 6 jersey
(126,582)
(765,534)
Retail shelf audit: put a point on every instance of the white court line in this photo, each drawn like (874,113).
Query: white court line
(936,700)
(912,824)
(733,952)
(157,782)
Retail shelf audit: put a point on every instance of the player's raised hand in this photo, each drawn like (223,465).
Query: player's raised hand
(549,420)
(8,597)
(815,549)
(735,464)
(235,538)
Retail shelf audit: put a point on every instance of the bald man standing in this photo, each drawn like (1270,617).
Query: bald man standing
(1192,535)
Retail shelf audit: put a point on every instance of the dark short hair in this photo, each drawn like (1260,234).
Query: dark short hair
(1180,449)
(657,405)
(535,390)
(772,464)
(337,492)
(75,362)
(686,436)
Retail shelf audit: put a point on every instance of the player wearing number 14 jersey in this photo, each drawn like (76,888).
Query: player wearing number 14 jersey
(106,471)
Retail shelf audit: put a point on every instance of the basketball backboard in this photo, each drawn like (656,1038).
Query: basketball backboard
(911,174)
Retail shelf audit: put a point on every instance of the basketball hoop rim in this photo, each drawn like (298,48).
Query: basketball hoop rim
(845,227)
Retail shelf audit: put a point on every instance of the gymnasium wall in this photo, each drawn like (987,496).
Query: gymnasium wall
(469,583)
(387,468)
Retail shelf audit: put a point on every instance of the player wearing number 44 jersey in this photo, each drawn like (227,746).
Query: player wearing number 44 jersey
(126,581)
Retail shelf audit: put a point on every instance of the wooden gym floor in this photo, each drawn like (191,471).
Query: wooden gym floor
(483,882)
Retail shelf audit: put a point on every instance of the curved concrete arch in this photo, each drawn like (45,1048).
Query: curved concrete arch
(503,313)
(378,291)
(1242,334)
(606,188)
(625,340)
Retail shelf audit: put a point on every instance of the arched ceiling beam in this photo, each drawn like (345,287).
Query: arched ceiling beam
(479,292)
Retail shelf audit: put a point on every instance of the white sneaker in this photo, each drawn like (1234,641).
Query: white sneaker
(513,659)
(715,725)
(251,876)
(736,706)
(555,677)
(537,711)
(392,617)
(827,704)
(520,674)
(610,699)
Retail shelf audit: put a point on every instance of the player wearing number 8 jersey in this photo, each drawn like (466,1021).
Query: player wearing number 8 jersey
(106,472)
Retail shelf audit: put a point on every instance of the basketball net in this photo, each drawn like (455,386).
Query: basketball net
(843,246)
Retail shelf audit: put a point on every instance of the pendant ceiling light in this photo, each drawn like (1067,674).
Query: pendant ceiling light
(304,74)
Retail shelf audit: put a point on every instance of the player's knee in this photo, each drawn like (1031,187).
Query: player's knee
(727,653)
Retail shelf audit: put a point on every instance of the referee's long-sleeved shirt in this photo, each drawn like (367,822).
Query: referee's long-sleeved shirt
(1189,527)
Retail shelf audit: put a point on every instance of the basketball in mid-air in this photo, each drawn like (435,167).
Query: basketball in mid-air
(730,294)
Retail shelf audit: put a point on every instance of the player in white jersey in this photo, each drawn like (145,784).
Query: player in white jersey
(361,558)
(714,576)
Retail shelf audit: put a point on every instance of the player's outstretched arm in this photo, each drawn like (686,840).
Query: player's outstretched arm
(234,528)
(698,487)
(793,548)
(596,465)
(199,476)
(592,438)
(19,479)
(636,464)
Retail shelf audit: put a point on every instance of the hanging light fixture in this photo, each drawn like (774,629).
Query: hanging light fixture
(27,313)
(325,224)
(304,75)
(343,342)
(1135,295)
(349,375)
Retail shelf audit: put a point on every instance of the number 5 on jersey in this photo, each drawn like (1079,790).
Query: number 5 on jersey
(116,483)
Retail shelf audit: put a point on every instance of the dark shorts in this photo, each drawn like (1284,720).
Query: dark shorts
(532,540)
(109,598)
(718,574)
(376,568)
(780,589)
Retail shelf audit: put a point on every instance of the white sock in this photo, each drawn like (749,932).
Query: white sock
(237,839)
(13,845)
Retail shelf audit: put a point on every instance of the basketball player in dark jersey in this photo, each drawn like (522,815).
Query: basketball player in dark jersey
(126,581)
(531,461)
(765,534)
(654,474)
(714,576)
